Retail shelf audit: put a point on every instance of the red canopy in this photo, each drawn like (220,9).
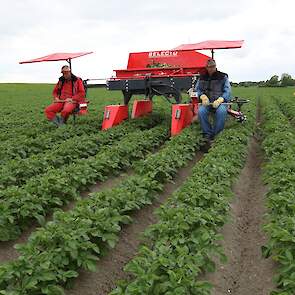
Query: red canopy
(211,44)
(56,57)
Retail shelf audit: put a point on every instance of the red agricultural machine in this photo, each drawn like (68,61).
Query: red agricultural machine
(167,73)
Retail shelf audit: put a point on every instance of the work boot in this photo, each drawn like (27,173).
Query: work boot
(56,121)
(62,121)
(207,142)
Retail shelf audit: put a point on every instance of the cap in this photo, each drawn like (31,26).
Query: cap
(65,68)
(211,63)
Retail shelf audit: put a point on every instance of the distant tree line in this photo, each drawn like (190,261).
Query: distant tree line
(274,81)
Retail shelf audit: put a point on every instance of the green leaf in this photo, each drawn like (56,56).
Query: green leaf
(70,274)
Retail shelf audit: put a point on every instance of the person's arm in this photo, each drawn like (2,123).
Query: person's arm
(226,94)
(80,93)
(55,91)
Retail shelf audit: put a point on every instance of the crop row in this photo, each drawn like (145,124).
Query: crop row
(76,238)
(18,171)
(39,126)
(18,206)
(22,146)
(31,126)
(19,116)
(181,245)
(24,130)
(287,105)
(279,175)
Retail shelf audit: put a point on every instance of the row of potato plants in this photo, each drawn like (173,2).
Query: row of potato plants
(20,205)
(24,130)
(18,171)
(33,126)
(23,146)
(182,244)
(38,127)
(287,105)
(20,147)
(75,239)
(19,117)
(279,175)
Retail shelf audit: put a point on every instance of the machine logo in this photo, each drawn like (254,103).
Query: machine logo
(166,53)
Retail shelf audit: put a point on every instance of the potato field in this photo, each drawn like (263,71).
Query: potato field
(131,210)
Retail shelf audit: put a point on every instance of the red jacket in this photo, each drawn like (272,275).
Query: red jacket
(69,89)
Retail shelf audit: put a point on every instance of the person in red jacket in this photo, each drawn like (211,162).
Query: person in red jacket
(67,93)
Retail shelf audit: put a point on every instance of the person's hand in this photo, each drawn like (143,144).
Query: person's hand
(192,93)
(70,100)
(217,102)
(205,100)
(57,99)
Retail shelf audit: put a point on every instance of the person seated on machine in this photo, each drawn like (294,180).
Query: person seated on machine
(67,94)
(213,89)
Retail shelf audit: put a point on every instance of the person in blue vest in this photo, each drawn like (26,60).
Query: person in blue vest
(213,89)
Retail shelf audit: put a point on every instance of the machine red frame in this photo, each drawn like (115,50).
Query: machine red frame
(82,108)
(181,63)
(182,66)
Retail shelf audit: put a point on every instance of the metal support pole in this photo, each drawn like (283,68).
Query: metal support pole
(70,63)
(212,53)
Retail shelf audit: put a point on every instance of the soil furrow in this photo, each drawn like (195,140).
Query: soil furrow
(246,272)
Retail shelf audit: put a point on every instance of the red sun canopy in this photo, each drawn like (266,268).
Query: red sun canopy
(211,44)
(56,57)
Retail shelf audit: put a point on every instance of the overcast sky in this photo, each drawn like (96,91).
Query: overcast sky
(31,29)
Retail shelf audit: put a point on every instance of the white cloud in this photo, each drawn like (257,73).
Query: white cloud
(112,29)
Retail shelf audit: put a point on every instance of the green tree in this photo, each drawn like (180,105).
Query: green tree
(286,80)
(273,81)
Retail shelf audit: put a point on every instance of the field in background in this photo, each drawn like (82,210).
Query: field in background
(37,96)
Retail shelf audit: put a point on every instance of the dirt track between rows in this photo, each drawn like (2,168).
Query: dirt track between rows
(246,272)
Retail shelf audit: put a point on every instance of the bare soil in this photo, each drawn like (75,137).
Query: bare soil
(110,266)
(247,272)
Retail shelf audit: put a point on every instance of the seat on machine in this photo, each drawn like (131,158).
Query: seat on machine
(81,109)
